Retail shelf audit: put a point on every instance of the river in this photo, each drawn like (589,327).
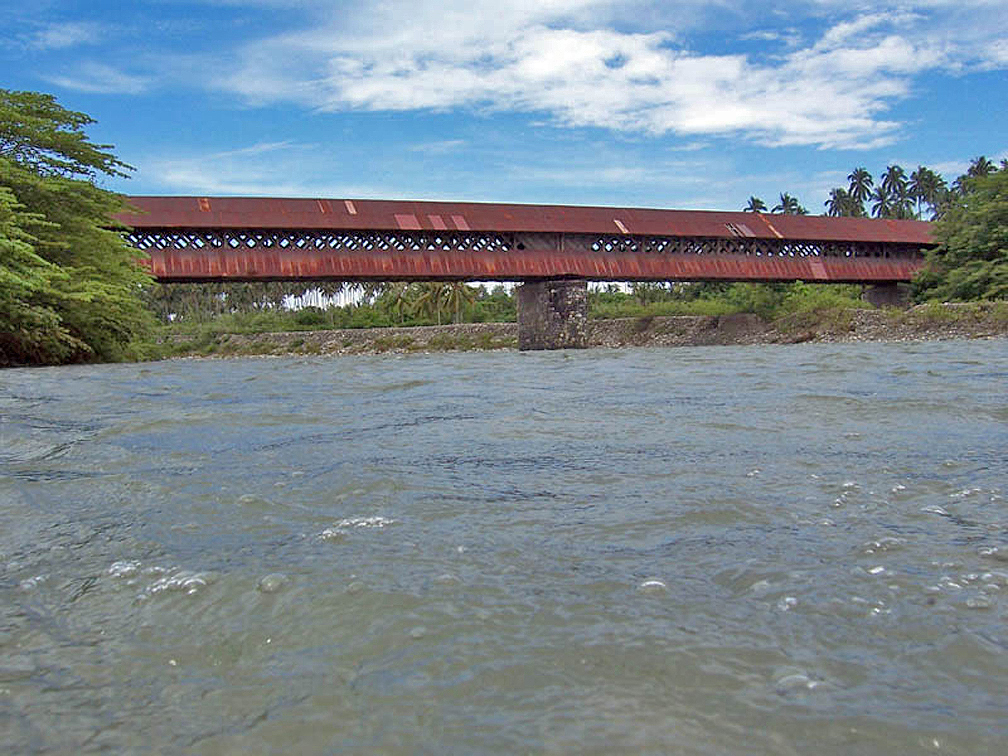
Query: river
(746,550)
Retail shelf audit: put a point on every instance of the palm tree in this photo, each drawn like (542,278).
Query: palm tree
(916,187)
(789,205)
(455,294)
(928,188)
(894,180)
(430,299)
(834,205)
(396,299)
(896,186)
(756,205)
(882,206)
(841,203)
(980,166)
(860,187)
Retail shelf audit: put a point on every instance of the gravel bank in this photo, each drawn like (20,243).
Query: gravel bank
(921,323)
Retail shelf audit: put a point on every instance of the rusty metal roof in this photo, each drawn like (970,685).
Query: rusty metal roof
(386,215)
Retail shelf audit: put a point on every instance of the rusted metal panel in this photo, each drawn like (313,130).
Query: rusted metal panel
(382,215)
(188,265)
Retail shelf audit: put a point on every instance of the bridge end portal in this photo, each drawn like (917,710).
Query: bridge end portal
(553,314)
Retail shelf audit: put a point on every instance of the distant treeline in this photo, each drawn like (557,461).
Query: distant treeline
(923,194)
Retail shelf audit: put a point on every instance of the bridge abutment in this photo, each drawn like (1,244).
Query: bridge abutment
(888,295)
(553,314)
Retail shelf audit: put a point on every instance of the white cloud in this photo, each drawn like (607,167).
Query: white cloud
(99,78)
(274,169)
(67,34)
(569,60)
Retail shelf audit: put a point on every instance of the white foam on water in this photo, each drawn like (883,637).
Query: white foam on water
(652,585)
(978,602)
(185,581)
(125,568)
(965,493)
(886,543)
(337,531)
(993,552)
(794,682)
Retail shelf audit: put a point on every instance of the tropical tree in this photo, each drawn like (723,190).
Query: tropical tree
(456,294)
(860,188)
(31,291)
(789,205)
(980,166)
(49,167)
(756,205)
(397,299)
(430,299)
(841,203)
(897,188)
(894,180)
(971,260)
(926,188)
(882,202)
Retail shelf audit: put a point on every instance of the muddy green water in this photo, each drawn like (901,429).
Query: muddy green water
(759,550)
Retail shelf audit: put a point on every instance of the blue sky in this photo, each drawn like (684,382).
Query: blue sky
(656,104)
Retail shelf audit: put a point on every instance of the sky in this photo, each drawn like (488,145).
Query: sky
(588,102)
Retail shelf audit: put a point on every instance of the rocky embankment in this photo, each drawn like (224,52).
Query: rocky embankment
(922,323)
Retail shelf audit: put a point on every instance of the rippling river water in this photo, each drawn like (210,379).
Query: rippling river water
(758,550)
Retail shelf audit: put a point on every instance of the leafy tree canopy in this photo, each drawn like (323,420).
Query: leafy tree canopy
(72,288)
(971,261)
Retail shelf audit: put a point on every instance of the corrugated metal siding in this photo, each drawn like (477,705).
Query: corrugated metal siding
(245,264)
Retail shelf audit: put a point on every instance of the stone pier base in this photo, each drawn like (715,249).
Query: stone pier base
(553,314)
(888,295)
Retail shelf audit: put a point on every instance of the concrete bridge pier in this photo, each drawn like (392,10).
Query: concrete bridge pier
(888,295)
(553,314)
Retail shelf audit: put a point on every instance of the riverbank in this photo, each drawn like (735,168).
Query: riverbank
(928,322)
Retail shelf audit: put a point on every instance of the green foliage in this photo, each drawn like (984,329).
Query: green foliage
(30,327)
(769,301)
(71,285)
(971,261)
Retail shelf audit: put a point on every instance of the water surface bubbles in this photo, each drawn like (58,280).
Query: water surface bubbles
(272,583)
(32,582)
(179,581)
(122,569)
(794,681)
(993,552)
